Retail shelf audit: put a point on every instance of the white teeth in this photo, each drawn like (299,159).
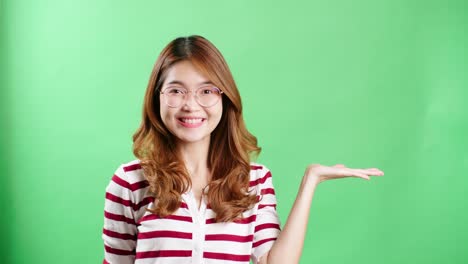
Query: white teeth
(192,121)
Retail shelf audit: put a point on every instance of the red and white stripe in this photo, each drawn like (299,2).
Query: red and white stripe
(190,235)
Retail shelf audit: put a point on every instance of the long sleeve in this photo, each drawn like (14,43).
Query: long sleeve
(120,230)
(267,226)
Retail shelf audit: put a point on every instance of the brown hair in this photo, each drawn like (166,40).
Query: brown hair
(231,145)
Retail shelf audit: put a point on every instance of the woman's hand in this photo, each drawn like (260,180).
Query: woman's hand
(318,173)
(288,246)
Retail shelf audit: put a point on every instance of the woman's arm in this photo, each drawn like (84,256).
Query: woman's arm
(288,246)
(120,230)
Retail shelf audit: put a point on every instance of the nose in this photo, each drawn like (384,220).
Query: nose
(190,100)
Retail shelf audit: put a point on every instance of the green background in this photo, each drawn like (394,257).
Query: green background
(364,83)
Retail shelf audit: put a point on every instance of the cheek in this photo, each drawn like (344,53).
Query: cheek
(217,113)
(165,115)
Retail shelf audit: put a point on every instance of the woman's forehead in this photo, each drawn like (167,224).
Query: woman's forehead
(185,73)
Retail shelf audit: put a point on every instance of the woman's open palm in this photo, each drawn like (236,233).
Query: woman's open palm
(320,173)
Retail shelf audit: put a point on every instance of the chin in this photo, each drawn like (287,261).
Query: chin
(192,138)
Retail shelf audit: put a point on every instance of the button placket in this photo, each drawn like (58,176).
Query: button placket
(198,234)
(202,225)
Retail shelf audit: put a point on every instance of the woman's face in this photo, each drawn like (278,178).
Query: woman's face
(189,122)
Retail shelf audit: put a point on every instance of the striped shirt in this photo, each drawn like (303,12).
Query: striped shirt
(190,235)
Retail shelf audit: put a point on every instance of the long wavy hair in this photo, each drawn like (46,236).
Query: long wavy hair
(231,144)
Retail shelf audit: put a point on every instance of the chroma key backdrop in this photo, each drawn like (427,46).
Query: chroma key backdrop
(365,83)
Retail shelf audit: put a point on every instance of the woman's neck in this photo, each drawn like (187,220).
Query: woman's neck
(195,157)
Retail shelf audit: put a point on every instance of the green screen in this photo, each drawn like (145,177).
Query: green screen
(364,83)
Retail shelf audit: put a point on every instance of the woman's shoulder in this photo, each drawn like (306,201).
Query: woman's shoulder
(257,166)
(258,171)
(131,172)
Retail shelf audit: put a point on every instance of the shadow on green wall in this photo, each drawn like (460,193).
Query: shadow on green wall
(5,191)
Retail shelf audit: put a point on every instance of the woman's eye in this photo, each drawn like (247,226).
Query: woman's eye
(175,91)
(208,90)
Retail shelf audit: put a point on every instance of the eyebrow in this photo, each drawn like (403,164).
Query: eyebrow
(182,83)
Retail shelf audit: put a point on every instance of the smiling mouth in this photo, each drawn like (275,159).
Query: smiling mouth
(192,120)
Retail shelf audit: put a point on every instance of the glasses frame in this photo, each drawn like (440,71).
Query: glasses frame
(186,97)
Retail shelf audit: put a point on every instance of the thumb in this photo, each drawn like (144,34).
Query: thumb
(339,166)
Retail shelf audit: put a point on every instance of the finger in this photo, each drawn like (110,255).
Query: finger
(339,166)
(346,172)
(371,171)
(380,172)
(375,172)
(361,175)
(356,173)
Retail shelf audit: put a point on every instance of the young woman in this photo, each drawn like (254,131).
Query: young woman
(194,195)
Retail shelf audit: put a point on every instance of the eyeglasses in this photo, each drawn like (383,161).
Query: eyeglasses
(206,96)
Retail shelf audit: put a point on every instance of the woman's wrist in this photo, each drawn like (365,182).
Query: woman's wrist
(310,180)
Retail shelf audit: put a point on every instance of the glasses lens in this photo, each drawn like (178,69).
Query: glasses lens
(208,96)
(174,96)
